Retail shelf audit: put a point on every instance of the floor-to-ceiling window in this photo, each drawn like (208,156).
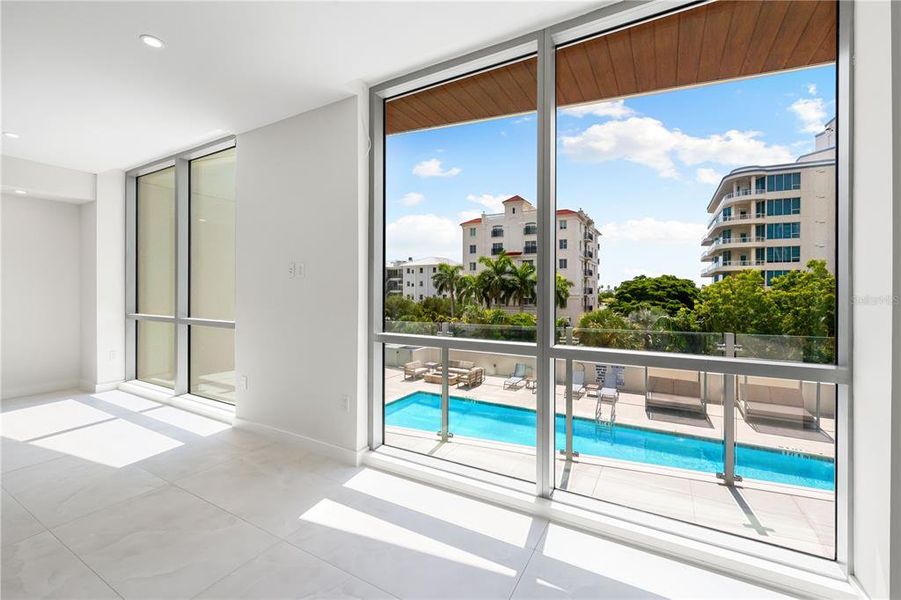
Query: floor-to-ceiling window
(181,228)
(627,315)
(669,133)
(460,231)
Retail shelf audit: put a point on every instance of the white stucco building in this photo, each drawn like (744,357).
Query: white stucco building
(515,231)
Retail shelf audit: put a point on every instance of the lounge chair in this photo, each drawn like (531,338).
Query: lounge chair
(774,403)
(579,388)
(414,370)
(471,378)
(674,394)
(518,377)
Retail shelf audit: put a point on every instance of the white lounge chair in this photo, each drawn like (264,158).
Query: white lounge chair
(518,377)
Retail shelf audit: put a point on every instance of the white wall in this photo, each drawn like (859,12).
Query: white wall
(109,257)
(41,289)
(876,462)
(88,295)
(298,339)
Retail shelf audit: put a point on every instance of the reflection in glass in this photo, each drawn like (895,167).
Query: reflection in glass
(213,236)
(212,368)
(156,353)
(156,243)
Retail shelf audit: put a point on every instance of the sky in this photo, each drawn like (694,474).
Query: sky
(643,168)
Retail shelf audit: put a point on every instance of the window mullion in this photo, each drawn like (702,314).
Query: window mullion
(182,233)
(544,463)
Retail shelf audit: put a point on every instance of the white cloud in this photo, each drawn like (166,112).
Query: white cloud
(422,235)
(812,89)
(647,141)
(811,112)
(432,168)
(650,229)
(708,176)
(493,203)
(616,109)
(412,199)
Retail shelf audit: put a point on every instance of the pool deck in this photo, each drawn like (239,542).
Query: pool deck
(794,517)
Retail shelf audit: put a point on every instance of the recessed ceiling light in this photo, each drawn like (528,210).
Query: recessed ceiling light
(151,40)
(21,192)
(11,135)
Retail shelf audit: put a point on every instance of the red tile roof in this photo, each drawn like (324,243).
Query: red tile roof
(566,211)
(514,199)
(476,220)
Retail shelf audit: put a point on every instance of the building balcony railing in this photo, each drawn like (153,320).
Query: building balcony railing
(530,230)
(731,263)
(530,250)
(588,236)
(495,233)
(720,219)
(496,251)
(731,241)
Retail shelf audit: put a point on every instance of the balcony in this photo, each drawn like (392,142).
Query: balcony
(529,230)
(496,233)
(743,219)
(731,265)
(530,249)
(588,236)
(496,251)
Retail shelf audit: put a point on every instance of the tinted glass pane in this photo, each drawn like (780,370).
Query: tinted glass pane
(212,369)
(213,236)
(156,243)
(156,353)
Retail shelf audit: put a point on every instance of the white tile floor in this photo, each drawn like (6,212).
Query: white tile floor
(108,495)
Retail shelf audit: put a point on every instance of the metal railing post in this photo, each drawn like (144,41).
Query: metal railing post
(445,395)
(728,474)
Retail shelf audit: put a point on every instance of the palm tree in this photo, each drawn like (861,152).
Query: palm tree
(561,290)
(523,281)
(468,289)
(447,280)
(496,277)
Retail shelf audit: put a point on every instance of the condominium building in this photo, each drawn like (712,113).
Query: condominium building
(416,276)
(394,277)
(515,231)
(775,218)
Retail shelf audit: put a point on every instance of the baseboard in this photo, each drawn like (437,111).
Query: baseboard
(343,455)
(96,388)
(40,388)
(200,406)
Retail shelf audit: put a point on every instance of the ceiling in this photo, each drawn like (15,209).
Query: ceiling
(719,41)
(82,92)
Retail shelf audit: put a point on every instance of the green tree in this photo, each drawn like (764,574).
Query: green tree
(667,292)
(468,290)
(739,303)
(397,305)
(561,290)
(495,279)
(604,328)
(447,281)
(523,281)
(805,303)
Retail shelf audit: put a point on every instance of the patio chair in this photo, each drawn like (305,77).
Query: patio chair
(471,378)
(518,377)
(579,388)
(674,394)
(774,403)
(414,370)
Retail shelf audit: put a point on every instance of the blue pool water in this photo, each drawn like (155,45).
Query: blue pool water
(472,418)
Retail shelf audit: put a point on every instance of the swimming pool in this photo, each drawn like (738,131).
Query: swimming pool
(496,422)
